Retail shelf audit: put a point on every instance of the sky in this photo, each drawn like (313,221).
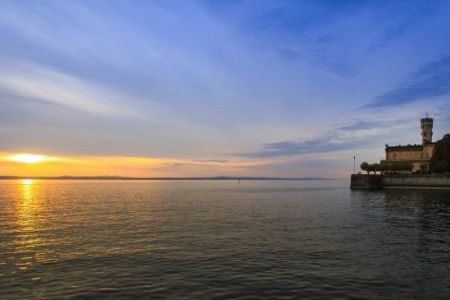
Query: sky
(211,88)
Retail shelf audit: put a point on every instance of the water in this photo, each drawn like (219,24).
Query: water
(221,240)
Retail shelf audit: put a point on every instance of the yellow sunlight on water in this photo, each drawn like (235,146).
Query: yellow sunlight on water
(28,158)
(28,225)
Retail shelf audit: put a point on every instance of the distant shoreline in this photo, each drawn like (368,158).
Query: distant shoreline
(159,178)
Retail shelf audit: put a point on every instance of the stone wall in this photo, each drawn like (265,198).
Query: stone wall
(361,181)
(403,154)
(420,180)
(428,151)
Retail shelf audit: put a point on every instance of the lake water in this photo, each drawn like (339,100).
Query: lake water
(221,240)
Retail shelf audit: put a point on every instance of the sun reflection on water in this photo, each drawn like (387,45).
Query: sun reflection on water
(27,224)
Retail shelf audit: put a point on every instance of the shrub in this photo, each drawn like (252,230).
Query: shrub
(365,167)
(441,155)
(440,167)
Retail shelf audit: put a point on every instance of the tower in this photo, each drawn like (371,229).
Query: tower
(427,130)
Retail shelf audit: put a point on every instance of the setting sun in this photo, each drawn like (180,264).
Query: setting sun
(28,158)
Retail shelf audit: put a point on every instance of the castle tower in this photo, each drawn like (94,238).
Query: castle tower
(427,130)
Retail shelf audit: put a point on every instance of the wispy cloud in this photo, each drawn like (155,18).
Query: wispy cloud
(361,124)
(432,80)
(353,135)
(219,161)
(43,84)
(289,148)
(372,124)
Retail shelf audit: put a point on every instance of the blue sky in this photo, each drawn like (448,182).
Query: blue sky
(288,88)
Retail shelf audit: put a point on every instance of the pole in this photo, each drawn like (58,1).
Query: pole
(354,164)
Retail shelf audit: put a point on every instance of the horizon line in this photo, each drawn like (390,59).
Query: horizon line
(114,177)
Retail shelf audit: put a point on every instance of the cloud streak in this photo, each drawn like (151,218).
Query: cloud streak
(289,148)
(351,136)
(43,84)
(430,81)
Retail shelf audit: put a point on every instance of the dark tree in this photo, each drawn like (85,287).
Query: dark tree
(440,161)
(365,167)
(440,167)
(376,168)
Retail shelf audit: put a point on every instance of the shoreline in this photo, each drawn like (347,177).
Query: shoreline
(396,181)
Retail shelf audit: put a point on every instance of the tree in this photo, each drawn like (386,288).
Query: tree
(441,154)
(383,168)
(371,168)
(376,168)
(365,167)
(409,167)
(396,167)
(440,167)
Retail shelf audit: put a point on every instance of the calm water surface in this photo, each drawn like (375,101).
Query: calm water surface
(221,240)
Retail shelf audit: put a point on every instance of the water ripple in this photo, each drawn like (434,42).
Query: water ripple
(220,240)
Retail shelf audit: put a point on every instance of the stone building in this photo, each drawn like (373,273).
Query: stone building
(418,155)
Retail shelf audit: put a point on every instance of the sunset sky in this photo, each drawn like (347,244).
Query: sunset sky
(208,88)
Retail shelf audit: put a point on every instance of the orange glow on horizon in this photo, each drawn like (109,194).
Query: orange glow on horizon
(28,158)
(36,165)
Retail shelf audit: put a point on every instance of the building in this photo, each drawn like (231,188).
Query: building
(418,155)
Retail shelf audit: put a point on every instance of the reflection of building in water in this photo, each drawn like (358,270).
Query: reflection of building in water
(418,155)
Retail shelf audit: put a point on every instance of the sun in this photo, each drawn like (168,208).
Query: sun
(28,158)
